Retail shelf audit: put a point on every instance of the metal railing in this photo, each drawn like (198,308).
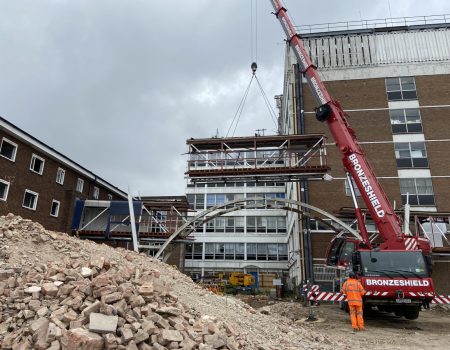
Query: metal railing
(373,23)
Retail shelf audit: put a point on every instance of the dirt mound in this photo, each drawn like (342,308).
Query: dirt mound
(59,292)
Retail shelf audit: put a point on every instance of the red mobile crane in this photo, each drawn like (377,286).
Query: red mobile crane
(396,273)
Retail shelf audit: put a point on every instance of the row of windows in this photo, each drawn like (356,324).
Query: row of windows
(197,201)
(237,251)
(419,190)
(8,150)
(236,224)
(30,199)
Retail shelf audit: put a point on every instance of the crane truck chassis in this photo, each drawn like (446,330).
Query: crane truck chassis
(396,272)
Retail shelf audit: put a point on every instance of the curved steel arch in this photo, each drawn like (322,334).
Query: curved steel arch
(249,203)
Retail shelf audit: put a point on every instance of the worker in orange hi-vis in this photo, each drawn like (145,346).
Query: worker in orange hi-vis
(354,291)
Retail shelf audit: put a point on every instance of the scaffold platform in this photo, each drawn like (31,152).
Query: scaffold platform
(279,158)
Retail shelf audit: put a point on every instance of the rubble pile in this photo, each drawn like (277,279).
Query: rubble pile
(59,292)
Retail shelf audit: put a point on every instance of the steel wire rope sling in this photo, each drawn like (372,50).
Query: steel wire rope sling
(254,66)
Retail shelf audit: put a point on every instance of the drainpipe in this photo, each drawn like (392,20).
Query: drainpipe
(304,186)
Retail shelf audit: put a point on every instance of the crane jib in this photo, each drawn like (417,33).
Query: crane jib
(365,182)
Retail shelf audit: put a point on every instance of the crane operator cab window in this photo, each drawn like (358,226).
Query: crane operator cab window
(345,257)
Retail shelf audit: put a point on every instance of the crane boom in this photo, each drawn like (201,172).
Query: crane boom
(353,157)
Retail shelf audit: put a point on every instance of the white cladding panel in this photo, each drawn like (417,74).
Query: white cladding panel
(379,48)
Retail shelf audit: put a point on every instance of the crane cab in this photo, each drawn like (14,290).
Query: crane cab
(340,250)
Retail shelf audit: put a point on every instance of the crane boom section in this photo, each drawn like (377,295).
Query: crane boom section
(353,157)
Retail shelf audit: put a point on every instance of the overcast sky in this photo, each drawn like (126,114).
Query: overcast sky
(119,85)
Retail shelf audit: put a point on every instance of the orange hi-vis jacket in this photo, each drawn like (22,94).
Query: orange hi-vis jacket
(354,291)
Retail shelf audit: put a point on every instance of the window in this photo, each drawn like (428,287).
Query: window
(55,208)
(188,250)
(229,251)
(251,251)
(60,174)
(194,251)
(262,251)
(403,88)
(240,251)
(347,188)
(411,155)
(198,251)
(266,224)
(272,250)
(96,192)
(282,252)
(420,191)
(214,199)
(209,251)
(196,201)
(405,121)
(37,164)
(4,188)
(219,250)
(110,197)
(8,149)
(80,184)
(30,200)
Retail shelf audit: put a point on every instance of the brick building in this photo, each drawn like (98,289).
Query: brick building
(394,83)
(39,183)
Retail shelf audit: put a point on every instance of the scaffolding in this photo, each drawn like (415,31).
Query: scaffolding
(156,219)
(279,158)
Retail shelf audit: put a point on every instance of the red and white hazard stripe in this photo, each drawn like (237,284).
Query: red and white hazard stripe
(410,243)
(329,296)
(326,296)
(441,299)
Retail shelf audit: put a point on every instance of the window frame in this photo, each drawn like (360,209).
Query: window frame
(416,198)
(404,126)
(15,145)
(54,201)
(96,192)
(412,161)
(401,89)
(60,178)
(80,185)
(35,202)
(35,157)
(5,198)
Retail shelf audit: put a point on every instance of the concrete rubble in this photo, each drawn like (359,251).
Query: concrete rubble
(59,292)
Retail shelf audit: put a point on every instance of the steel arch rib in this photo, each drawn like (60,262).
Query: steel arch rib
(247,205)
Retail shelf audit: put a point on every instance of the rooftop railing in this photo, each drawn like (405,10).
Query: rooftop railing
(373,23)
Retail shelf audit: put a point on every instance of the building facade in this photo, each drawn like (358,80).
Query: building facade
(394,84)
(250,240)
(39,183)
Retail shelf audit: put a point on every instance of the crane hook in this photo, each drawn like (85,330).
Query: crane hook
(254,67)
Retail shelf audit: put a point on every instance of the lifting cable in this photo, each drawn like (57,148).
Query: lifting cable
(254,58)
(240,109)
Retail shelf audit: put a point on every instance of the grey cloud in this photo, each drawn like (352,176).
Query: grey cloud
(118,86)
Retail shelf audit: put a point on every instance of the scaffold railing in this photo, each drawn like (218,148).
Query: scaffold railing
(280,158)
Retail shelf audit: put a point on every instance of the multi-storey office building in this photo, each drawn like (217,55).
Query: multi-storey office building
(39,183)
(249,240)
(394,83)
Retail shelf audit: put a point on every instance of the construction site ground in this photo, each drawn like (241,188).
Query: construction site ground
(51,284)
(383,330)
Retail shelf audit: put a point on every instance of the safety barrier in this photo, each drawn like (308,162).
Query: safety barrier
(316,295)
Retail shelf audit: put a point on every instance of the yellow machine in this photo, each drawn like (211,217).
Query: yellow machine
(239,279)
